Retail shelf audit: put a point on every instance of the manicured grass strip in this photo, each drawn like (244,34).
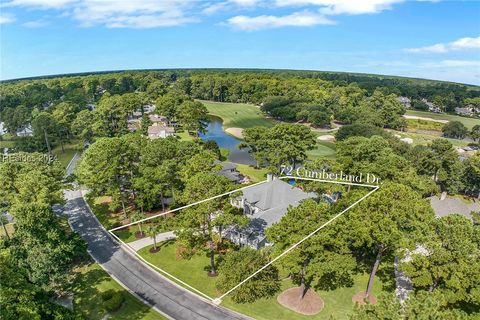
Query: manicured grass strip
(324,149)
(65,157)
(425,139)
(338,303)
(424,125)
(238,115)
(89,285)
(100,208)
(256,175)
(7,144)
(192,271)
(184,136)
(468,122)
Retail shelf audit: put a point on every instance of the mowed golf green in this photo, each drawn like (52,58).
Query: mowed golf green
(237,115)
(468,122)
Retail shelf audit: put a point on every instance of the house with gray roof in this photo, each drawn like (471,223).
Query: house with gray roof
(265,204)
(229,171)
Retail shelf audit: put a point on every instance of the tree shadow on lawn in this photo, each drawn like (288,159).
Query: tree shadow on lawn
(88,287)
(164,244)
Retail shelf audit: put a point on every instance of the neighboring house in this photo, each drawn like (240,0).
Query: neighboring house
(229,171)
(158,131)
(265,204)
(432,107)
(25,132)
(469,111)
(442,206)
(133,125)
(46,105)
(407,103)
(2,129)
(136,115)
(148,108)
(157,119)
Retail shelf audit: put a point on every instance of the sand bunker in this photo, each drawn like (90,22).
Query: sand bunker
(425,118)
(326,137)
(236,132)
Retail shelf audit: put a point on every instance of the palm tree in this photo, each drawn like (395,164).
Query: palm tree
(152,232)
(137,216)
(212,272)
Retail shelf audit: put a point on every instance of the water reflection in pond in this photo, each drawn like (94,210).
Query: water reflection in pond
(215,132)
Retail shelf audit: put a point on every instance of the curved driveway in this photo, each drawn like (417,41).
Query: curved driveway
(150,286)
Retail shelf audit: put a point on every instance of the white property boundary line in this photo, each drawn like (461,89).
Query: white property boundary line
(184,207)
(219,299)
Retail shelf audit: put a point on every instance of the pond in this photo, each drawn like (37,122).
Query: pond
(215,132)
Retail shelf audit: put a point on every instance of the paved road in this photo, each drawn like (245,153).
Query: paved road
(71,165)
(146,283)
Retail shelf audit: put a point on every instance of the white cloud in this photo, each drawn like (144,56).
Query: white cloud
(44,4)
(335,7)
(214,7)
(325,8)
(458,45)
(124,14)
(36,24)
(459,63)
(118,13)
(296,19)
(245,3)
(7,18)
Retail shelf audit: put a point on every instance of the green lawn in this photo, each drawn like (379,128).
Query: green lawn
(100,208)
(256,175)
(468,122)
(65,157)
(425,139)
(88,286)
(184,136)
(7,144)
(324,149)
(128,233)
(10,229)
(237,115)
(191,271)
(338,302)
(417,124)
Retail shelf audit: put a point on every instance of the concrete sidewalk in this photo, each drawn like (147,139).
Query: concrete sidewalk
(144,242)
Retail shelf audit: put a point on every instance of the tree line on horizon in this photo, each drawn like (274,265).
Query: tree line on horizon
(138,174)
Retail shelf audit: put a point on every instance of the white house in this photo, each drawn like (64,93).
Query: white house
(2,129)
(405,101)
(156,131)
(265,204)
(25,131)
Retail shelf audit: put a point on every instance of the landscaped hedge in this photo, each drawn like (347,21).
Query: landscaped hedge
(112,301)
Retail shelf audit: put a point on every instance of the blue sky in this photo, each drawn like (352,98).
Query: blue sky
(427,39)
